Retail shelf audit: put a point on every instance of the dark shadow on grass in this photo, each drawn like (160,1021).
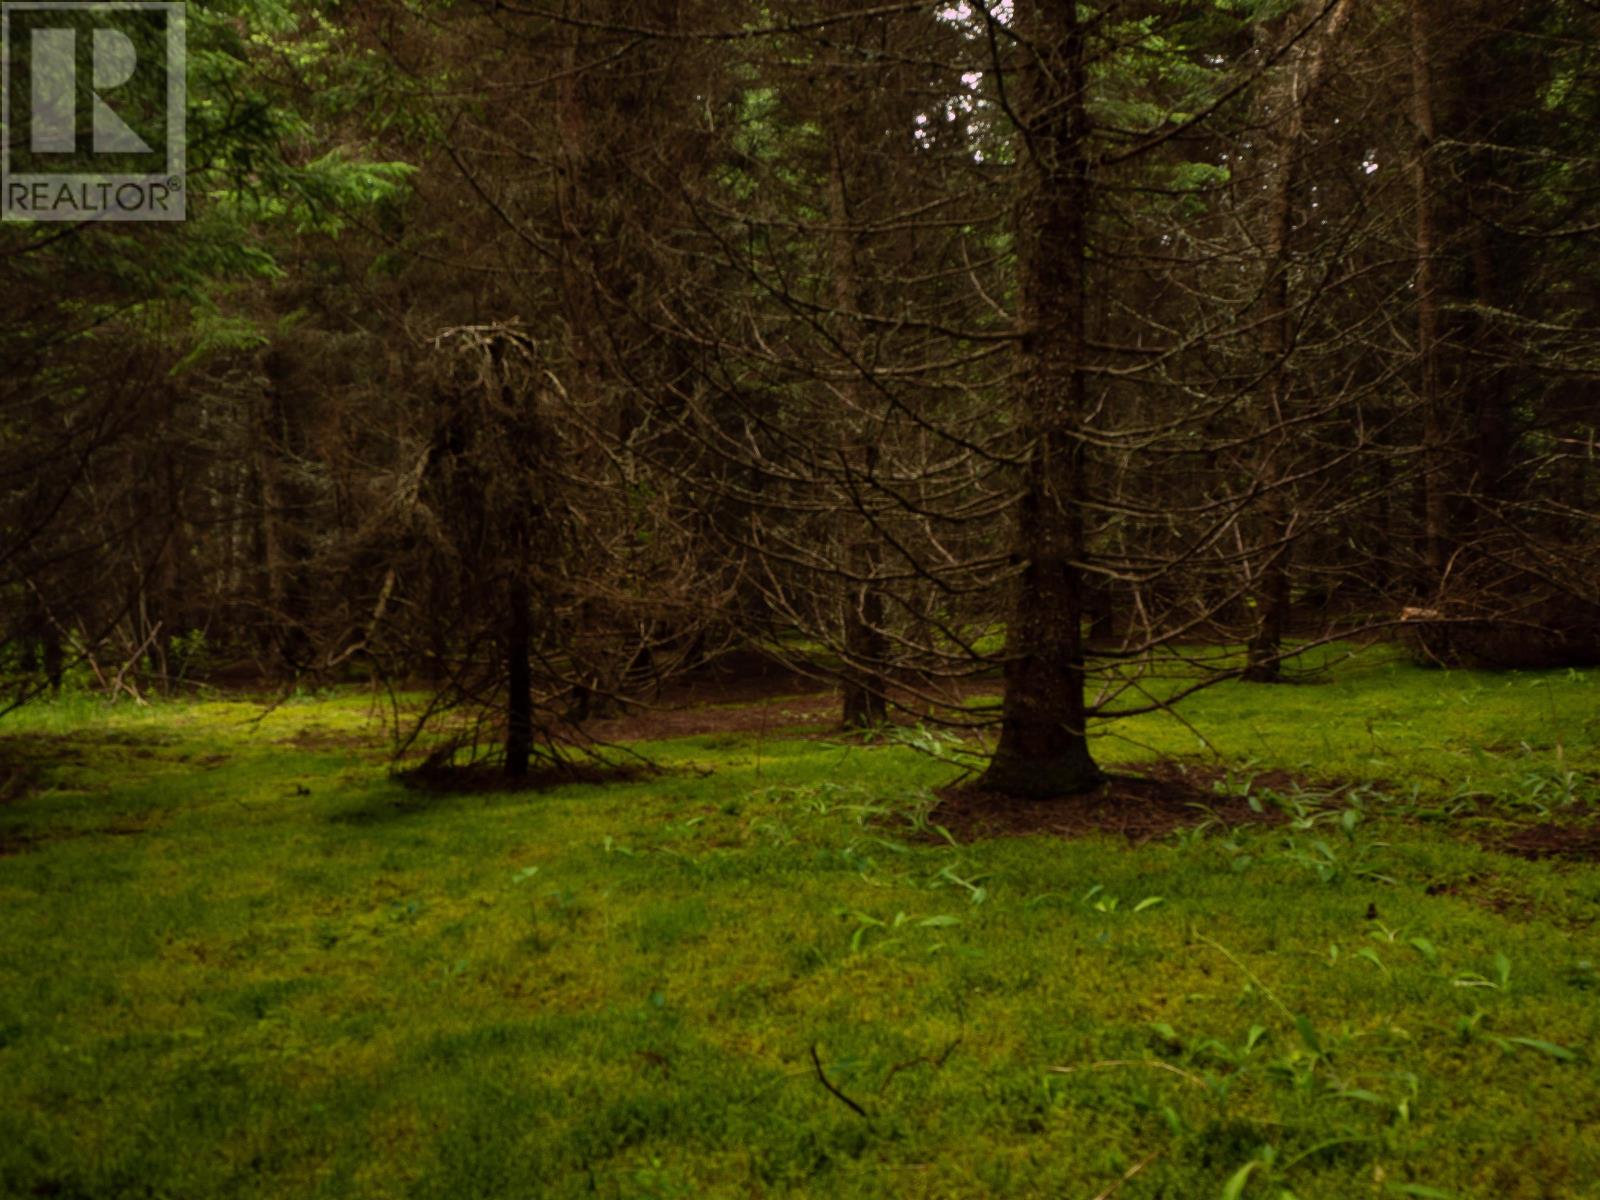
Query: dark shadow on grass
(15,841)
(18,780)
(477,778)
(1161,798)
(1574,841)
(432,786)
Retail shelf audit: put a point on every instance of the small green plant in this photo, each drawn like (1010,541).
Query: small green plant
(1500,982)
(866,923)
(187,654)
(943,745)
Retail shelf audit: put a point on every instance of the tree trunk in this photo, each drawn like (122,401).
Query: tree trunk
(1273,592)
(519,677)
(864,705)
(1435,533)
(1043,748)
(1273,599)
(1491,415)
(52,655)
(1382,569)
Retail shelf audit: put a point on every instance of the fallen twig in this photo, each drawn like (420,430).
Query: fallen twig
(121,683)
(911,1062)
(821,1075)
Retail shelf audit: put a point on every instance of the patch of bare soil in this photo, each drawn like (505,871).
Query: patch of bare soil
(739,716)
(317,737)
(748,692)
(741,677)
(1574,841)
(1486,891)
(1162,798)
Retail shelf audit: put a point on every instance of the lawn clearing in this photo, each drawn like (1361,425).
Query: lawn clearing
(239,960)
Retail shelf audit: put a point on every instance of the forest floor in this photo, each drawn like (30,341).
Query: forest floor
(1330,940)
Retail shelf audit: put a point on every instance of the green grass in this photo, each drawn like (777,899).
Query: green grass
(238,960)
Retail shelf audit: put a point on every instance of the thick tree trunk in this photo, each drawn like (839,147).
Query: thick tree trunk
(1043,748)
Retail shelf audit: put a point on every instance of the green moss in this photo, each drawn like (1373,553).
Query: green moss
(237,960)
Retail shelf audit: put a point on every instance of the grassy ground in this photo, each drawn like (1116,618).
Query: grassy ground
(238,960)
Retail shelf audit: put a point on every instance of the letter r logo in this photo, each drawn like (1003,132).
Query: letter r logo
(93,97)
(55,92)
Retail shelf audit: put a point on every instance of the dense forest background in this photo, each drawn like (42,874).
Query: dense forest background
(535,354)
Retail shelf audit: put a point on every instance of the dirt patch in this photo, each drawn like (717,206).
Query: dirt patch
(771,701)
(739,677)
(313,737)
(777,714)
(1485,891)
(1162,798)
(1577,841)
